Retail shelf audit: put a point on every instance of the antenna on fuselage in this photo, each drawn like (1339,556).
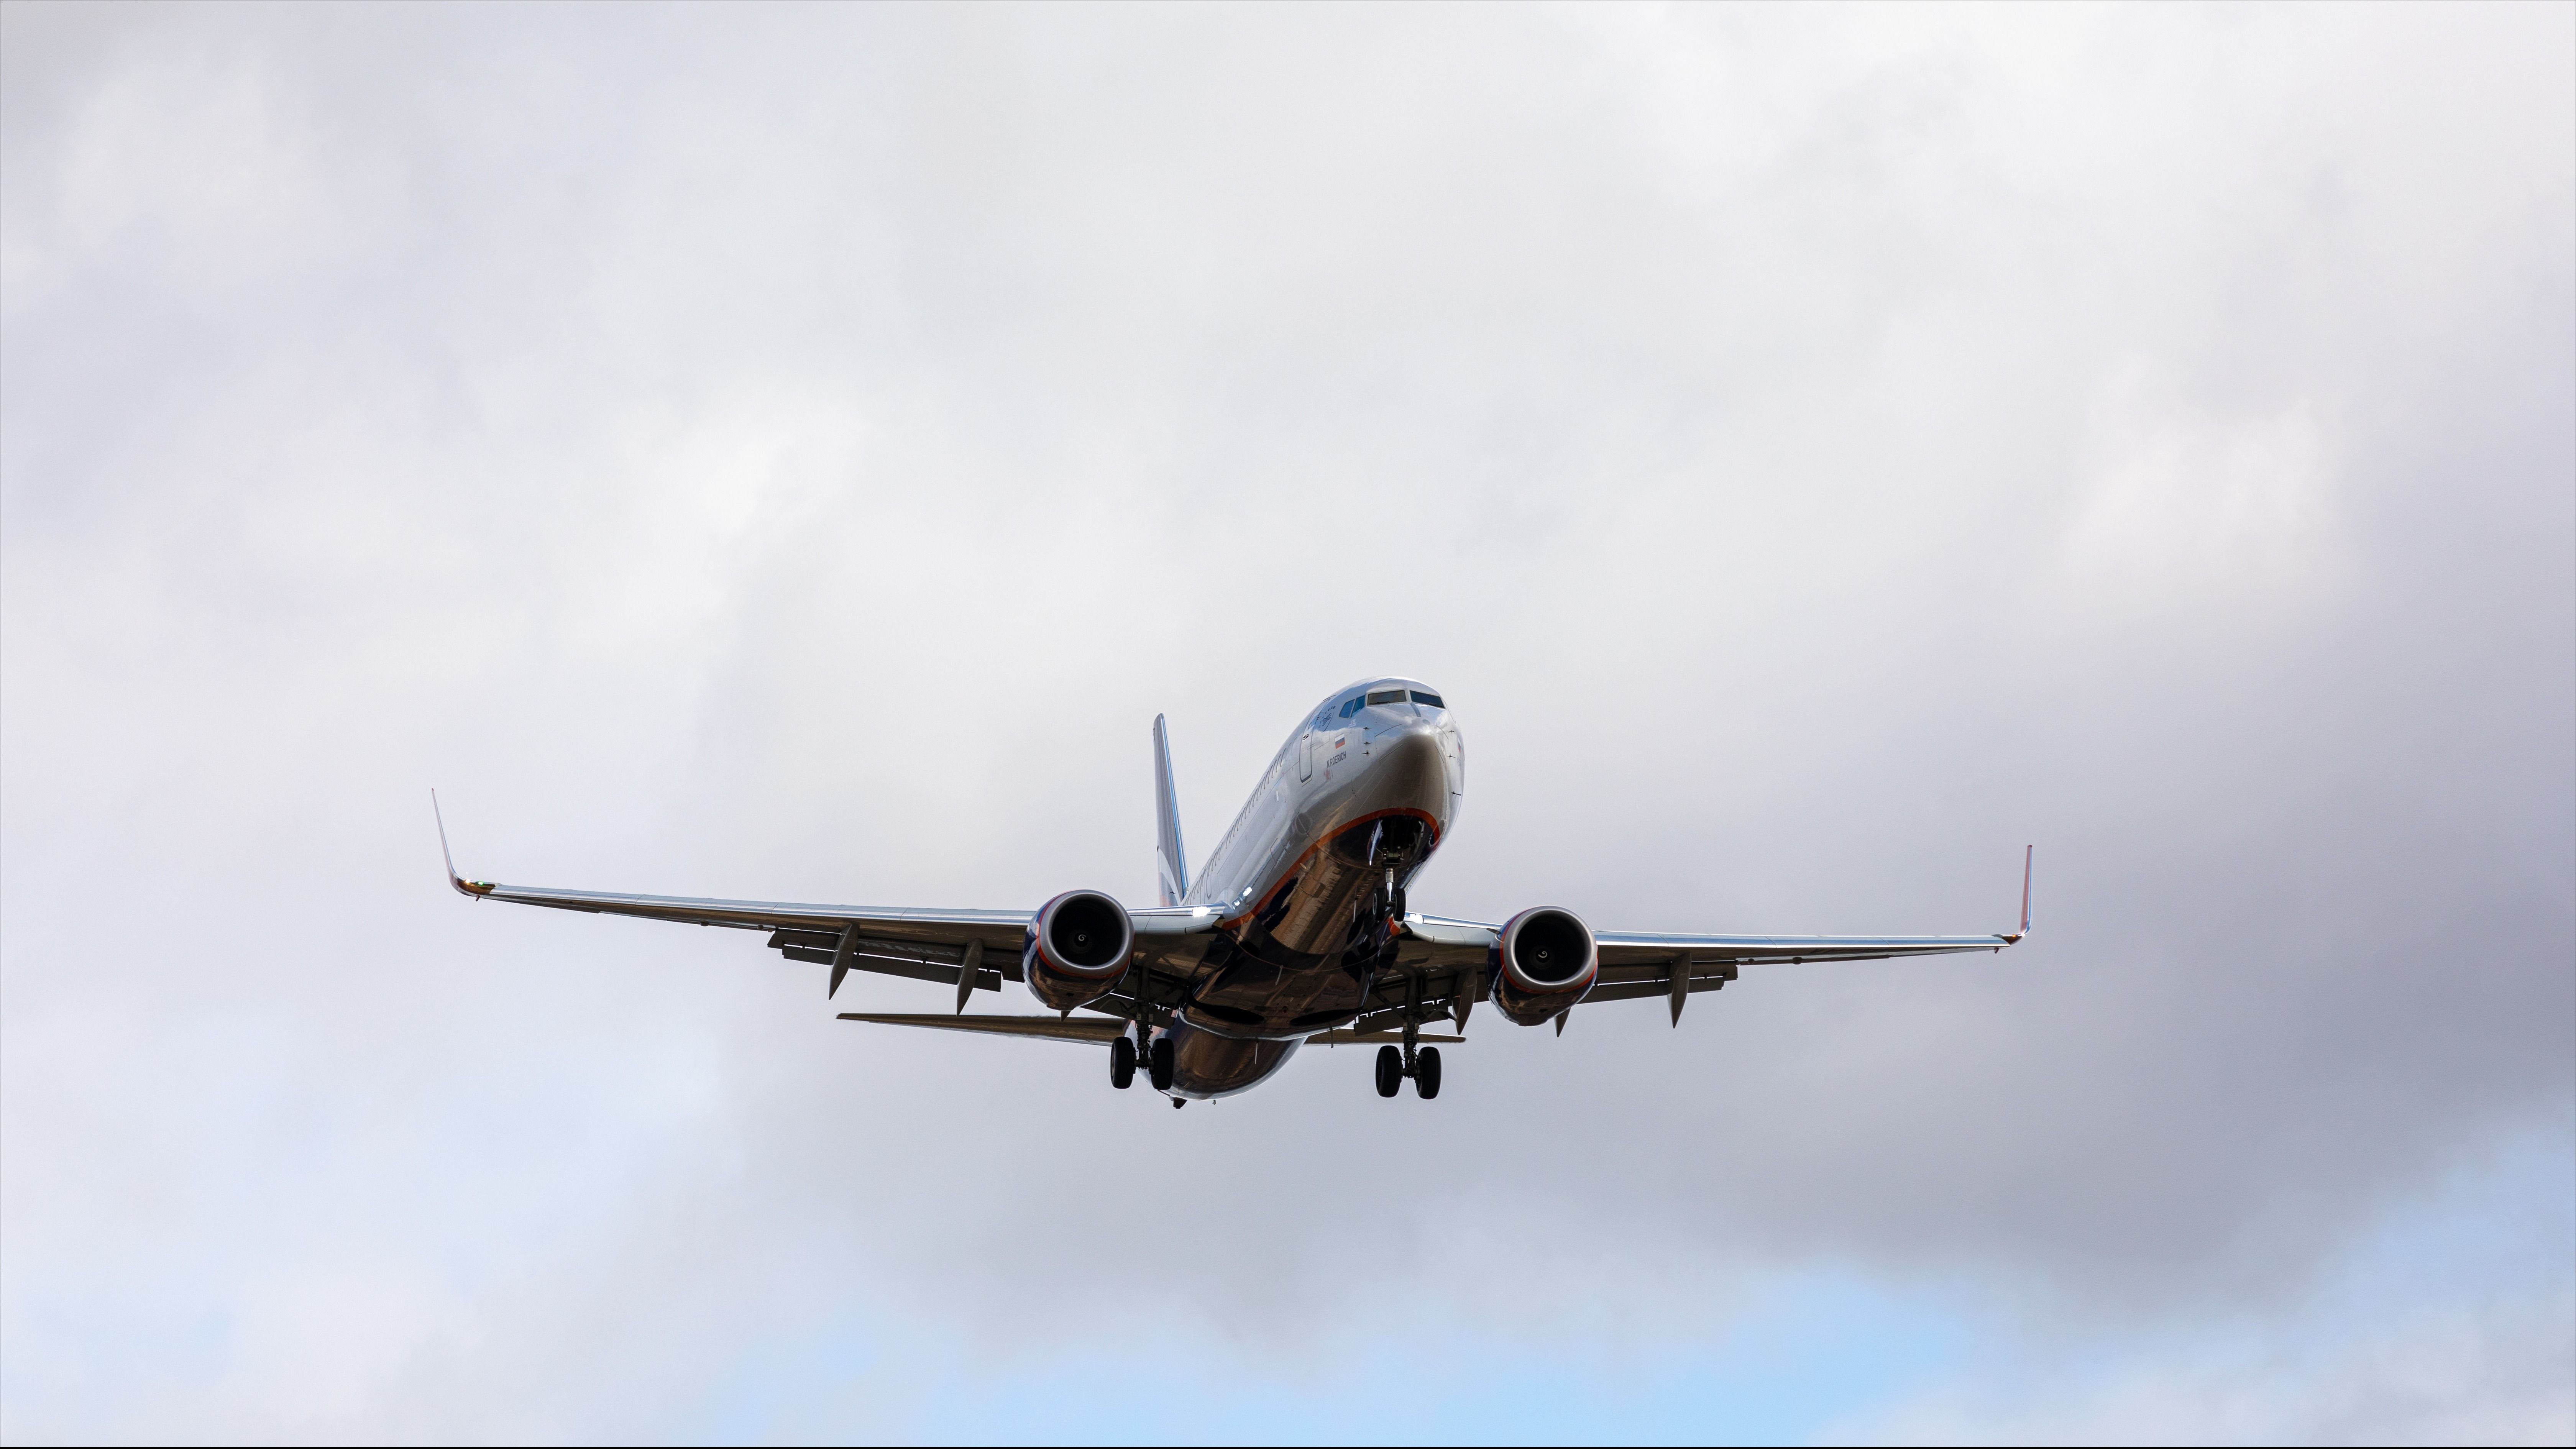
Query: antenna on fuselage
(1171,862)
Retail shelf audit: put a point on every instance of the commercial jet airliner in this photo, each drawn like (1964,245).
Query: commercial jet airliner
(1298,931)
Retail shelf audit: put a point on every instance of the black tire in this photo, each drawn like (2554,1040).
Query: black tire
(1390,1071)
(1160,1064)
(1398,912)
(1426,1073)
(1122,1062)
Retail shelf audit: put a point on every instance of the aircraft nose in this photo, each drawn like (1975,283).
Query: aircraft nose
(1411,766)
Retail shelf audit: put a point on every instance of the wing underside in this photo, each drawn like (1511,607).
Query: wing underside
(1441,963)
(920,944)
(1439,968)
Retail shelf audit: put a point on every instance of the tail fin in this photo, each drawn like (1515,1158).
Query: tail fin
(1171,863)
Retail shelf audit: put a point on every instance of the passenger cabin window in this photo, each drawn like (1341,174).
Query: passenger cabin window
(1433,700)
(1387,696)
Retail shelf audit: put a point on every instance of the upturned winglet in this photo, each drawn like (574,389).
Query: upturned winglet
(2026,853)
(478,889)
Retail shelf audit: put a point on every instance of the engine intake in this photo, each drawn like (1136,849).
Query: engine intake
(1543,961)
(1077,949)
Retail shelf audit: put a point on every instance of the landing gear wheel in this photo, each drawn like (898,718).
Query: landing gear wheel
(1122,1062)
(1159,1064)
(1426,1073)
(1398,912)
(1390,1071)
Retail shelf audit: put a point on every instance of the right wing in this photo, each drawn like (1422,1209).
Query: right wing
(1440,963)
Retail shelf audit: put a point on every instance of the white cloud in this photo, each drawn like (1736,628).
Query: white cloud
(2194,515)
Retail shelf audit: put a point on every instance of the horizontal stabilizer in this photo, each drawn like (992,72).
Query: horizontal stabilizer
(1051,1028)
(1372,1038)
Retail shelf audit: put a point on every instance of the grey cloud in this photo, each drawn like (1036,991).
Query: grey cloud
(795,453)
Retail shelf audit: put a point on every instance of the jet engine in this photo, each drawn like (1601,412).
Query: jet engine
(1542,962)
(1076,950)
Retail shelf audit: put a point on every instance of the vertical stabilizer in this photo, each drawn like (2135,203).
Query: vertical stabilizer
(1171,862)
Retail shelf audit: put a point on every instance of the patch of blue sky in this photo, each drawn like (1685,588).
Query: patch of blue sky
(2449,1315)
(1824,1354)
(829,1384)
(1812,1351)
(76,1357)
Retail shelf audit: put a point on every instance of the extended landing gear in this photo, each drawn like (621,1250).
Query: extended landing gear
(1125,1056)
(1425,1072)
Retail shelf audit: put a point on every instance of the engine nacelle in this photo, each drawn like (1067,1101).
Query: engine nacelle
(1542,962)
(1076,951)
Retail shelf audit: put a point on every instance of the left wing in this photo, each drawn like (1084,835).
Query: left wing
(969,949)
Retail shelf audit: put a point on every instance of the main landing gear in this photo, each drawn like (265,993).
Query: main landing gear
(1122,1062)
(1157,1063)
(1424,1070)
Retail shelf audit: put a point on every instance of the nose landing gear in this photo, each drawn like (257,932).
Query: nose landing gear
(1390,899)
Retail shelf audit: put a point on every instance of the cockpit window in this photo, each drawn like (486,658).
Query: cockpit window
(1386,696)
(1351,706)
(1426,697)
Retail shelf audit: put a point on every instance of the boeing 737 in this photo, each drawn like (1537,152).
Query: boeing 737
(1298,930)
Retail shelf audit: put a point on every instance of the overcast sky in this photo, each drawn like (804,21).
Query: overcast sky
(794,454)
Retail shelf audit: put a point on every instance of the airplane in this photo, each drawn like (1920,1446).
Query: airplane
(1297,932)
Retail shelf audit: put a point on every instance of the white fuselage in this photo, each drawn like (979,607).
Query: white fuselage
(1307,879)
